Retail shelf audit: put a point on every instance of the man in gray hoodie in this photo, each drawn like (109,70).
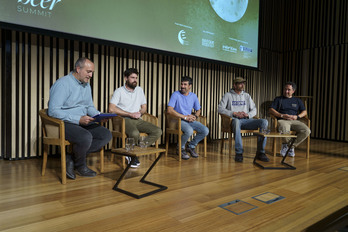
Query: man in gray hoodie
(238,105)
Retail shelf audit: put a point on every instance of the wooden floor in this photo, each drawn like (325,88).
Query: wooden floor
(196,189)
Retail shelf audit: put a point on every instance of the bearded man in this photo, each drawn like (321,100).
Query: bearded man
(129,102)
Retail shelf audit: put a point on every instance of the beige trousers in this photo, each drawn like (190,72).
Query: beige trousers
(302,130)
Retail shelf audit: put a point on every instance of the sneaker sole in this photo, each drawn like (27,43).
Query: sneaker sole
(93,175)
(263,160)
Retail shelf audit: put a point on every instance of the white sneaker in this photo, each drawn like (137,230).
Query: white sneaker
(284,149)
(292,152)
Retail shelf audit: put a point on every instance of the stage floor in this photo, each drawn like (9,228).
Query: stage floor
(204,194)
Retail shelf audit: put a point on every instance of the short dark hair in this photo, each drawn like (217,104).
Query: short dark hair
(81,63)
(187,78)
(130,71)
(294,87)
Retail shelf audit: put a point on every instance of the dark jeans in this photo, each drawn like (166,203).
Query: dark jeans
(85,140)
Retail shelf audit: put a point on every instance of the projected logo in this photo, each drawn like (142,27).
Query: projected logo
(230,10)
(245,49)
(37,7)
(208,43)
(182,37)
(229,48)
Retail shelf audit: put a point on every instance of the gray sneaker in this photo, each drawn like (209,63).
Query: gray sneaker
(192,152)
(184,155)
(292,152)
(284,149)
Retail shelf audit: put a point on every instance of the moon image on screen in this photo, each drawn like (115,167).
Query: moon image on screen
(230,10)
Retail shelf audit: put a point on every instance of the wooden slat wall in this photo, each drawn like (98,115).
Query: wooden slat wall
(314,51)
(301,40)
(38,61)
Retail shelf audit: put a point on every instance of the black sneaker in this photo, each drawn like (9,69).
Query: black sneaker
(192,152)
(133,164)
(262,157)
(238,158)
(184,155)
(137,162)
(85,171)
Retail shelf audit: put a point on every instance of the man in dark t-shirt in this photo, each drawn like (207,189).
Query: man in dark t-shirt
(289,110)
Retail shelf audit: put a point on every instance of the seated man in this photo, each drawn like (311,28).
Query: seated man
(180,105)
(238,105)
(129,102)
(288,110)
(71,101)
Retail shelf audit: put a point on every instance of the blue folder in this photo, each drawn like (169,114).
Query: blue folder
(101,116)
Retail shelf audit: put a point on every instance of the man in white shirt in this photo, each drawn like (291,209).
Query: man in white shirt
(129,102)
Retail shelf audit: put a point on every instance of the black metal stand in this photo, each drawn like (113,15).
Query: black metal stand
(287,166)
(142,180)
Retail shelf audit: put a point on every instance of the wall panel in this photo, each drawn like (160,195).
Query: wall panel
(37,61)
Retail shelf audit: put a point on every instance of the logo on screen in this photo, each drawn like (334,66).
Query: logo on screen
(229,48)
(37,7)
(245,49)
(182,37)
(208,43)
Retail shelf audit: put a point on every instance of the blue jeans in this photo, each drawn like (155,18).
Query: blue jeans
(248,124)
(188,128)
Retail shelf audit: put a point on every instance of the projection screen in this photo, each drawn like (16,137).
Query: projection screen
(221,30)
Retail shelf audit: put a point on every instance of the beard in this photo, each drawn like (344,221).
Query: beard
(131,85)
(183,91)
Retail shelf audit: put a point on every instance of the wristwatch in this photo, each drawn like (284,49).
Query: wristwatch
(281,116)
(185,118)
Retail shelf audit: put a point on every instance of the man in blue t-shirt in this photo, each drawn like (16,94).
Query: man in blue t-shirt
(180,105)
(288,110)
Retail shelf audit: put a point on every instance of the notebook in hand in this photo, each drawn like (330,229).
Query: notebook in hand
(101,116)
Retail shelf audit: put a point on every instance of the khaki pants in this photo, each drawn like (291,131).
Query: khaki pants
(302,130)
(136,126)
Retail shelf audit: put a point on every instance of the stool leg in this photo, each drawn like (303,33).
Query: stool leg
(179,141)
(230,144)
(167,144)
(308,144)
(274,148)
(222,141)
(63,163)
(102,160)
(205,147)
(44,160)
